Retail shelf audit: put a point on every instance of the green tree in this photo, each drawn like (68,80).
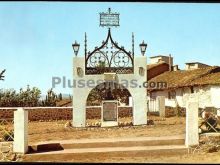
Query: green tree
(100,93)
(60,96)
(51,98)
(27,97)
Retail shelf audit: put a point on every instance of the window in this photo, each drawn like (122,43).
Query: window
(192,89)
(172,94)
(153,95)
(141,71)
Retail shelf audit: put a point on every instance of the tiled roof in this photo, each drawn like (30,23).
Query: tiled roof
(181,78)
(150,66)
(159,56)
(210,79)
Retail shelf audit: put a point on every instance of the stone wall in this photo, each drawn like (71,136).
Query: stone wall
(171,112)
(48,114)
(6,113)
(175,111)
(45,114)
(95,113)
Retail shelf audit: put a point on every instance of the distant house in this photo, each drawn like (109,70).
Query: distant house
(158,65)
(159,58)
(195,65)
(154,70)
(204,82)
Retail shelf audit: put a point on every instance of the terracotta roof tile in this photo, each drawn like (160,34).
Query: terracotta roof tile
(150,66)
(210,79)
(181,78)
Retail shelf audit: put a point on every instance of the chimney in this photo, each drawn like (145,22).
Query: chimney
(175,68)
(170,65)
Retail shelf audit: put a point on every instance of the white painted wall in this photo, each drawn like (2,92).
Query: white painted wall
(204,96)
(191,66)
(207,96)
(186,96)
(215,96)
(168,102)
(179,96)
(155,60)
(138,94)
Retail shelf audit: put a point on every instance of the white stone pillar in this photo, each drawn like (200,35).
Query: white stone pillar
(139,110)
(161,105)
(20,131)
(79,108)
(130,102)
(138,93)
(79,94)
(192,130)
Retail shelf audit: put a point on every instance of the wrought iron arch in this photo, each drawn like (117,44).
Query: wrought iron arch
(109,57)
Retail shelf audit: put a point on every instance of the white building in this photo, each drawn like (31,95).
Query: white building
(195,65)
(204,83)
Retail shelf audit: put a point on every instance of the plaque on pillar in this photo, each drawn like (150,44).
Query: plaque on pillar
(110,76)
(109,113)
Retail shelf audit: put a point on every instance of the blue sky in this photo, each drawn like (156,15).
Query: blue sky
(36,37)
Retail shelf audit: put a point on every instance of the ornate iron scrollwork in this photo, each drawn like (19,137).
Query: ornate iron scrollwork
(109,57)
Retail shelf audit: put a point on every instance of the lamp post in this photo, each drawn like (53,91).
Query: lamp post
(143,47)
(76,48)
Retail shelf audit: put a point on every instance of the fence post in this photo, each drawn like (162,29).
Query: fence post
(20,131)
(161,105)
(192,130)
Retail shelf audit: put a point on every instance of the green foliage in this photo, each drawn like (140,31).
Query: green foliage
(60,96)
(51,98)
(101,64)
(29,97)
(25,97)
(95,97)
(99,93)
